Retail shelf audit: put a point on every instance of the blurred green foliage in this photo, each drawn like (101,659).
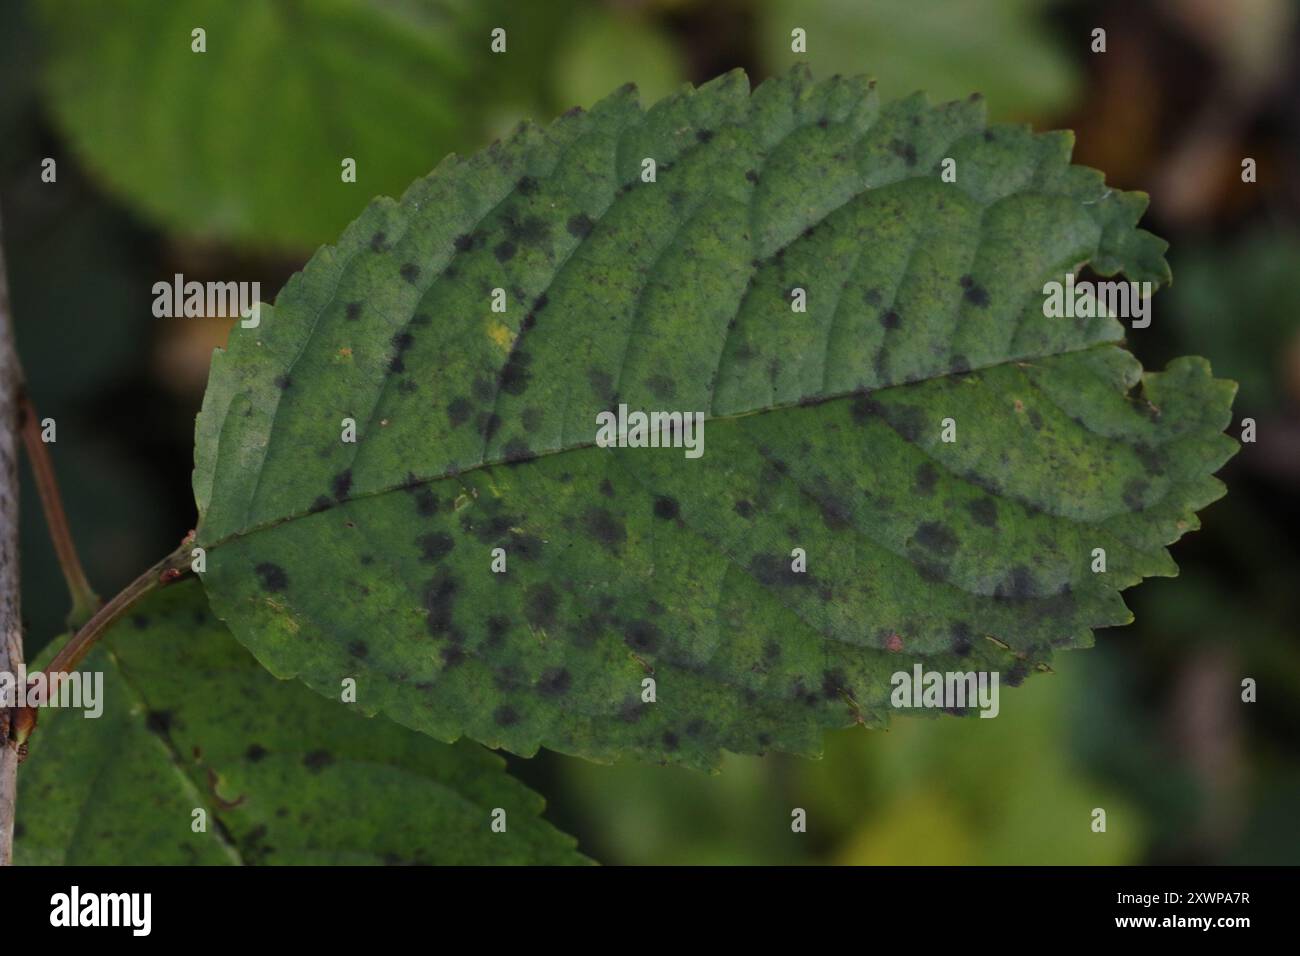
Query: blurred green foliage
(1149,724)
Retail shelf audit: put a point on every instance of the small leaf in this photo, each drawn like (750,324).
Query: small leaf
(246,140)
(190,722)
(476,429)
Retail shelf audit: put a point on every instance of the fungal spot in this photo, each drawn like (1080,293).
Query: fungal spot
(254,753)
(458,411)
(527,185)
(359,649)
(751,175)
(937,537)
(555,682)
(505,716)
(605,528)
(606,488)
(744,508)
(962,638)
(906,151)
(704,135)
(890,319)
(452,656)
(580,225)
(425,503)
(504,251)
(353,311)
(984,511)
(497,626)
(465,242)
(515,374)
(317,760)
(439,600)
(774,569)
(926,479)
(488,424)
(975,294)
(436,546)
(642,636)
(271,576)
(1135,493)
(159,721)
(282,382)
(540,604)
(666,508)
(517,450)
(342,484)
(320,504)
(377,242)
(670,740)
(601,383)
(410,272)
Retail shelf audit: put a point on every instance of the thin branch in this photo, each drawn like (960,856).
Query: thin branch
(169,569)
(11,635)
(85,602)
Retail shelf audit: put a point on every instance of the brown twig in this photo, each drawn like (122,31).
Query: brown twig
(78,646)
(85,602)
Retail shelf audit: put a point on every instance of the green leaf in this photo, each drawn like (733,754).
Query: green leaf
(190,721)
(1002,48)
(246,140)
(477,429)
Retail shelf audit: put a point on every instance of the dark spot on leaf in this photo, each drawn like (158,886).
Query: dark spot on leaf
(317,760)
(505,716)
(517,450)
(377,242)
(601,383)
(936,537)
(282,382)
(425,503)
(353,311)
(774,569)
(540,605)
(890,319)
(606,488)
(439,601)
(272,576)
(159,721)
(515,374)
(359,649)
(410,272)
(527,185)
(666,508)
(555,682)
(671,741)
(320,504)
(976,295)
(605,528)
(642,636)
(926,479)
(580,225)
(984,511)
(962,639)
(458,411)
(1135,493)
(436,546)
(342,484)
(504,251)
(254,753)
(704,135)
(452,655)
(744,508)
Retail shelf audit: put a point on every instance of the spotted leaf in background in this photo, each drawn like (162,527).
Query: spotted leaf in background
(191,722)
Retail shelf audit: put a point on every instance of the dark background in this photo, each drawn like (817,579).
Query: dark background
(1148,725)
